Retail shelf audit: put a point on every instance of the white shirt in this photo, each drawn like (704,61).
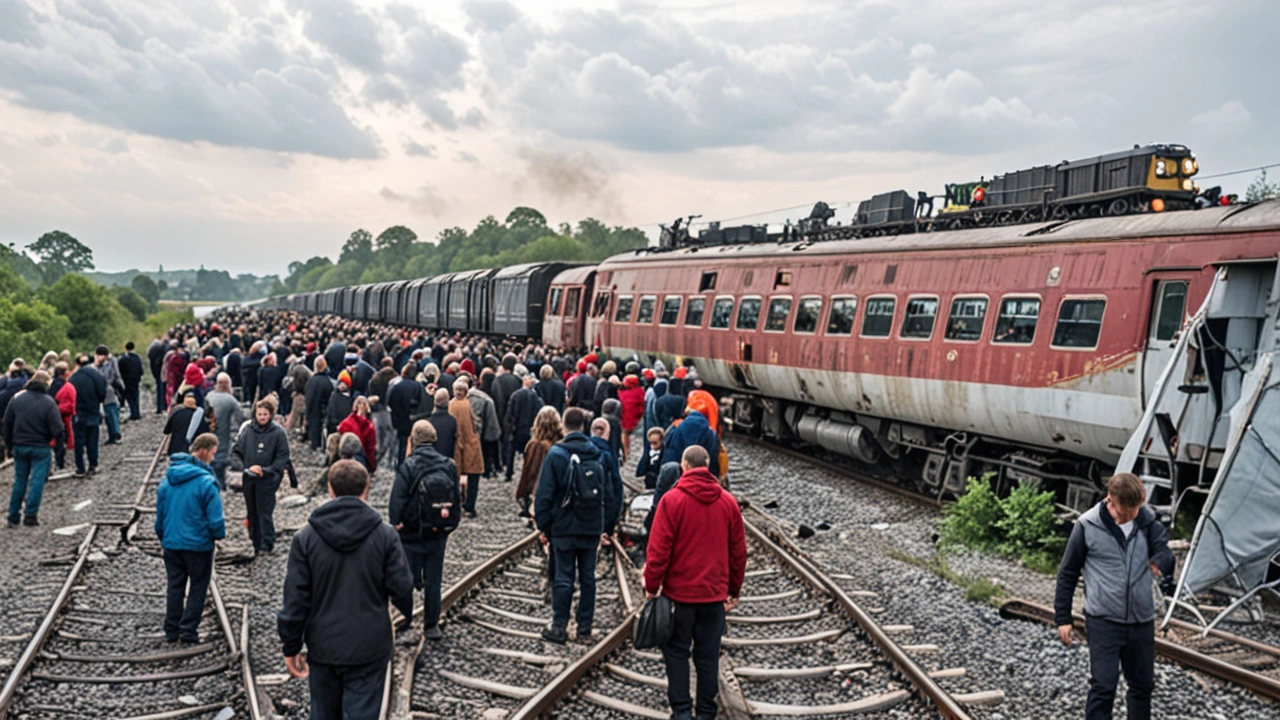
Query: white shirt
(1127,529)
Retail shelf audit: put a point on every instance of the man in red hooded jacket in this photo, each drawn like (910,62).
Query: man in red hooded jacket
(697,557)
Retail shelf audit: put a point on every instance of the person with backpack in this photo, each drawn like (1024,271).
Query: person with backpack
(570,509)
(188,521)
(185,422)
(425,506)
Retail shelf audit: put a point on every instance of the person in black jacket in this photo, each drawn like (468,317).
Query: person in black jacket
(249,371)
(334,356)
(341,402)
(262,452)
(582,389)
(407,400)
(344,567)
(155,358)
(505,384)
(522,408)
(91,392)
(131,372)
(178,426)
(232,362)
(446,427)
(318,390)
(31,422)
(269,376)
(425,550)
(550,388)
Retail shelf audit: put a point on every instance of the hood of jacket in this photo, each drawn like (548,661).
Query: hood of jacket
(659,387)
(701,485)
(184,467)
(343,523)
(696,423)
(578,442)
(428,459)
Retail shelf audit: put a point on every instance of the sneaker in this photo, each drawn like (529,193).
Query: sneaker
(555,634)
(93,470)
(30,521)
(584,634)
(13,521)
(188,641)
(470,513)
(433,633)
(80,474)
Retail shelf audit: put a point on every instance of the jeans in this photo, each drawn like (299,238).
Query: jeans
(161,405)
(402,444)
(30,470)
(426,565)
(1114,646)
(260,504)
(131,397)
(473,492)
(508,457)
(86,435)
(220,472)
(347,692)
(574,553)
(112,411)
(181,567)
(699,624)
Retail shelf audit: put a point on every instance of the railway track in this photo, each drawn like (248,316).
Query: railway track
(99,650)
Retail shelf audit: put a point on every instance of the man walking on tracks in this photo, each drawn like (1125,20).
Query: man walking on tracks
(344,566)
(188,521)
(1118,544)
(697,557)
(425,507)
(570,509)
(91,392)
(31,422)
(262,451)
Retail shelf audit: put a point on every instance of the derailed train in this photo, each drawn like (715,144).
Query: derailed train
(1026,350)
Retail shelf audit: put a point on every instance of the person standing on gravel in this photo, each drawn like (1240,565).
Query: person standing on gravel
(131,373)
(408,402)
(155,359)
(696,557)
(106,364)
(262,451)
(31,423)
(227,418)
(188,521)
(317,393)
(344,567)
(426,502)
(1118,544)
(91,392)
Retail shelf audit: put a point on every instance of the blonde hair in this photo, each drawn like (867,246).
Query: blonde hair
(546,425)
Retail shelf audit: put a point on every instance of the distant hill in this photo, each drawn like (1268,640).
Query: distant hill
(198,284)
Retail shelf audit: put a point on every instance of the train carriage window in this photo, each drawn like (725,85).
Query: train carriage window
(966,319)
(602,304)
(670,310)
(779,311)
(572,300)
(693,316)
(623,313)
(1079,323)
(807,315)
(842,312)
(917,321)
(748,313)
(721,311)
(1016,323)
(877,321)
(708,281)
(1172,304)
(554,306)
(644,315)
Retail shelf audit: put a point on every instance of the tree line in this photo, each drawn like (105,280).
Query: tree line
(523,237)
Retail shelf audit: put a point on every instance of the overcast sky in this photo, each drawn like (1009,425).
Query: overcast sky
(244,134)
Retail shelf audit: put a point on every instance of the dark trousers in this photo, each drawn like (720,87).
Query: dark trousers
(260,503)
(402,442)
(509,454)
(699,624)
(161,404)
(347,692)
(574,554)
(473,492)
(60,452)
(220,472)
(492,457)
(426,565)
(86,435)
(131,397)
(182,567)
(1115,646)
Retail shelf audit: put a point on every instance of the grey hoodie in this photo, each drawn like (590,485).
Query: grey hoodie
(1117,571)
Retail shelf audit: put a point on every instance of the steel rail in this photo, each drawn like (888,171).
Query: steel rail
(1261,684)
(773,540)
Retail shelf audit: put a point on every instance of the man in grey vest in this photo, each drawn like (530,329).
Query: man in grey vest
(1118,544)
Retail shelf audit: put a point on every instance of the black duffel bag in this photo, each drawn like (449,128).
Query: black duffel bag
(653,627)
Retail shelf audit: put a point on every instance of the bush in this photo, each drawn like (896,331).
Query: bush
(1023,525)
(971,520)
(1027,518)
(29,330)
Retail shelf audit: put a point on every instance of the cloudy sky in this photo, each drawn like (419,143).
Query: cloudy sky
(243,134)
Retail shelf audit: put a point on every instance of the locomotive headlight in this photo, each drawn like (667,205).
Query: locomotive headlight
(1162,168)
(1188,167)
(1187,184)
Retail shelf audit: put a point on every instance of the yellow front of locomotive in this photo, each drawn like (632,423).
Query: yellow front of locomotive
(1170,172)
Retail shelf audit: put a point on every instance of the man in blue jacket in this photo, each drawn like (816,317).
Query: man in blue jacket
(188,521)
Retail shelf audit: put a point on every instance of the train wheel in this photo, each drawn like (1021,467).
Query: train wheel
(1119,206)
(1093,211)
(1005,218)
(1030,215)
(1061,212)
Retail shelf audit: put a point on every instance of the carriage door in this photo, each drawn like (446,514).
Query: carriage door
(1168,311)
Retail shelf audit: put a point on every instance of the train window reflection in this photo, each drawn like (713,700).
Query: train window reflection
(966,319)
(842,312)
(670,311)
(1016,323)
(748,314)
(1079,323)
(721,311)
(878,319)
(623,313)
(693,316)
(1173,304)
(807,315)
(918,320)
(553,307)
(779,311)
(571,301)
(645,315)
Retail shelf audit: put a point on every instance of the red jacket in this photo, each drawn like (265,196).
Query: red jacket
(632,399)
(363,429)
(66,398)
(697,550)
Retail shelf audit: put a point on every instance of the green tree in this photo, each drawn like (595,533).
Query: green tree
(131,301)
(299,270)
(26,268)
(11,283)
(146,289)
(358,248)
(91,308)
(526,217)
(60,254)
(396,237)
(340,275)
(31,329)
(1261,189)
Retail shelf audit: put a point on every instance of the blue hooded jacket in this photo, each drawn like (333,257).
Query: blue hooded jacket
(188,506)
(693,430)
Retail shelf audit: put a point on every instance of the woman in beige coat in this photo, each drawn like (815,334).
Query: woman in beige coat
(466,452)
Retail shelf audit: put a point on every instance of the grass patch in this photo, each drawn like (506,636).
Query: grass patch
(976,590)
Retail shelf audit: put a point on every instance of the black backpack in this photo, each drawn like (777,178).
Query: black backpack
(434,504)
(586,489)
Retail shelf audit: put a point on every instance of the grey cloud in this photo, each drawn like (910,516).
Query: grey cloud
(426,202)
(569,176)
(16,24)
(490,15)
(473,118)
(463,156)
(345,30)
(413,148)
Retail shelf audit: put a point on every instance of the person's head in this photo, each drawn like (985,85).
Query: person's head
(695,456)
(509,362)
(331,448)
(546,372)
(269,360)
(655,436)
(60,370)
(344,381)
(322,365)
(609,368)
(348,478)
(40,378)
(204,447)
(575,420)
(101,352)
(409,371)
(360,406)
(600,428)
(262,412)
(460,388)
(442,398)
(546,425)
(422,432)
(189,398)
(349,446)
(592,370)
(82,360)
(611,407)
(1125,495)
(223,383)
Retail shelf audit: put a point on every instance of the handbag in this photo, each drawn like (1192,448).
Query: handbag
(653,627)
